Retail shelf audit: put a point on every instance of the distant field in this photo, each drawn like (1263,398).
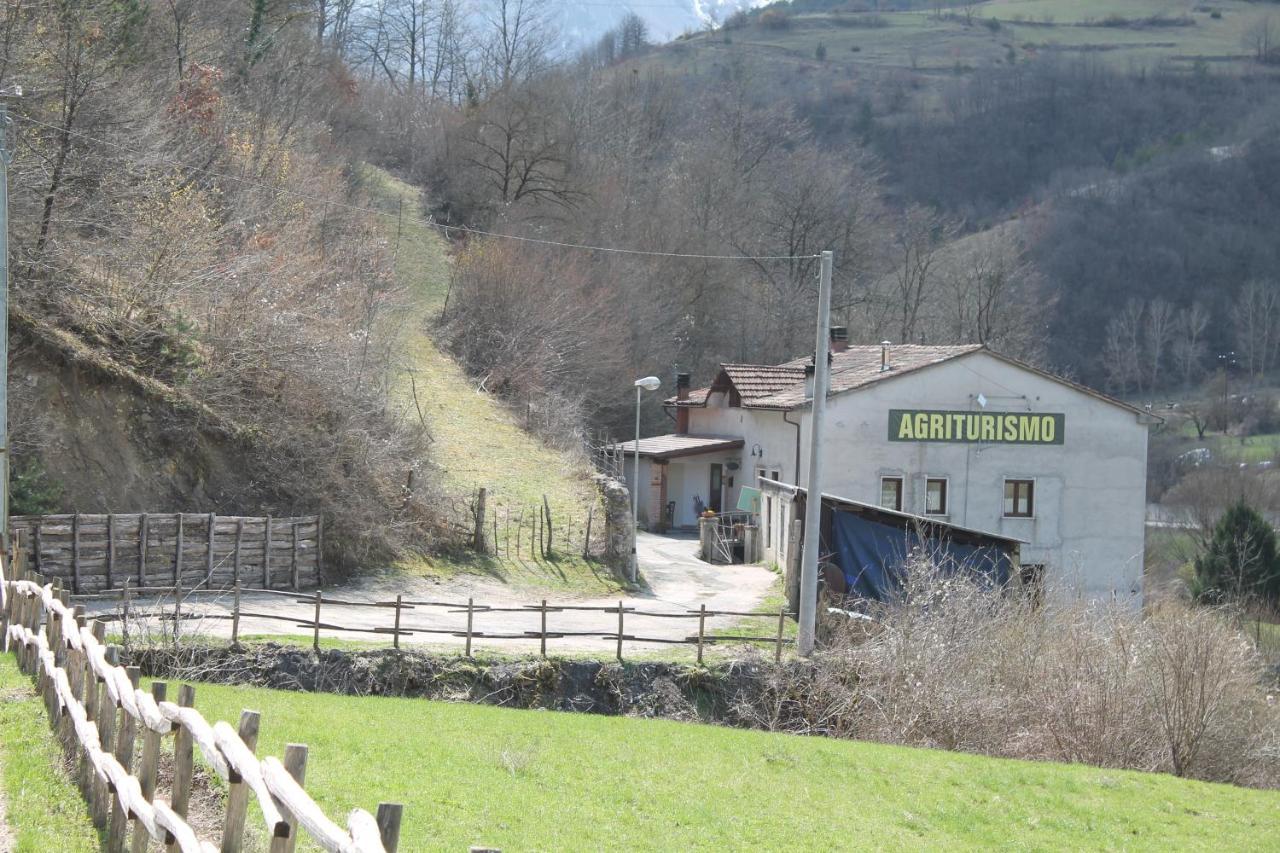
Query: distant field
(535,780)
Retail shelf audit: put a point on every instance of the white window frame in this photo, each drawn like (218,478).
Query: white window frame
(946,496)
(1035,487)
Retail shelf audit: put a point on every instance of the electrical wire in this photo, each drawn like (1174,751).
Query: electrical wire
(430,223)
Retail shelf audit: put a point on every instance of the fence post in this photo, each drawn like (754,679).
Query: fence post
(235,560)
(702,626)
(496,545)
(177,608)
(544,627)
(119,827)
(395,642)
(124,617)
(293,555)
(470,613)
(295,764)
(619,632)
(147,770)
(75,553)
(143,530)
(235,616)
(111,549)
(315,641)
(37,551)
(177,554)
(266,556)
(586,540)
(89,696)
(477,537)
(389,825)
(183,760)
(237,790)
(320,550)
(782,622)
(546,508)
(107,732)
(213,526)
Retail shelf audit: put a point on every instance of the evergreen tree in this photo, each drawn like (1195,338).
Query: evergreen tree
(1241,562)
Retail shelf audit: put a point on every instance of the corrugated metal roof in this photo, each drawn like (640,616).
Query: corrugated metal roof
(669,446)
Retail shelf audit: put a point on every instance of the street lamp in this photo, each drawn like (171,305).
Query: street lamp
(649,383)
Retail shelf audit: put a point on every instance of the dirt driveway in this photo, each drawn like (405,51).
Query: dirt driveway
(674,580)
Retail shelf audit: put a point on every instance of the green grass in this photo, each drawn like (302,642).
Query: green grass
(45,810)
(533,780)
(476,440)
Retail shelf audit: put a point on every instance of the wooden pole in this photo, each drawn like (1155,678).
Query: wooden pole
(235,616)
(143,522)
(477,537)
(702,628)
(619,632)
(147,770)
(111,549)
(586,540)
(124,617)
(782,623)
(388,818)
(470,615)
(118,829)
(544,627)
(235,560)
(37,551)
(107,732)
(177,553)
(266,556)
(295,763)
(546,508)
(496,542)
(183,760)
(396,636)
(293,555)
(177,608)
(315,640)
(75,553)
(237,790)
(320,550)
(213,527)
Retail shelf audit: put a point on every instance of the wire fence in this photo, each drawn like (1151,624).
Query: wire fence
(402,617)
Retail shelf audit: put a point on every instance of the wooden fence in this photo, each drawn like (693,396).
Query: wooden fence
(99,713)
(90,553)
(310,616)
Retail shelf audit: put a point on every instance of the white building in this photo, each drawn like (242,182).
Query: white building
(961,433)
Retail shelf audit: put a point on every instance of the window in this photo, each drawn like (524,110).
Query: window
(935,496)
(1019,498)
(891,493)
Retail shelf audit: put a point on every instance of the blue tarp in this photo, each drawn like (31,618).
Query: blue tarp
(871,555)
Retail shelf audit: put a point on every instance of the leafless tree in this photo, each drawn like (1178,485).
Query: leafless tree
(519,39)
(1123,348)
(1262,37)
(1254,317)
(1157,332)
(920,233)
(1188,344)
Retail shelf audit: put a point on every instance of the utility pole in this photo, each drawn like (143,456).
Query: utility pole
(5,158)
(813,495)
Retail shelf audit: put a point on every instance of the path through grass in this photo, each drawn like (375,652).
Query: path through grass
(536,780)
(476,439)
(44,809)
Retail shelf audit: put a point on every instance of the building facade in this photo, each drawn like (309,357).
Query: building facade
(960,434)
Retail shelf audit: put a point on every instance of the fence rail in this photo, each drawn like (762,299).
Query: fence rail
(400,625)
(84,688)
(91,553)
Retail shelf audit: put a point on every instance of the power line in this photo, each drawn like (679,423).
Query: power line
(430,223)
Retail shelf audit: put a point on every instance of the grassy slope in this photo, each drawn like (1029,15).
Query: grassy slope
(45,811)
(476,440)
(528,780)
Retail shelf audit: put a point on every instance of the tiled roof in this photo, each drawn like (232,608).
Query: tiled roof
(859,366)
(669,446)
(755,382)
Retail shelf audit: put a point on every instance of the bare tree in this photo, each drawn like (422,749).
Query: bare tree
(1158,331)
(1188,344)
(1262,37)
(921,232)
(521,34)
(1123,348)
(1254,317)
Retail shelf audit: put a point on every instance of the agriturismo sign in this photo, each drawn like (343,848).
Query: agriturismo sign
(976,427)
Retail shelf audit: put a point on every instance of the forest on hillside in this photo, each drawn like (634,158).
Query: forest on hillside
(189,203)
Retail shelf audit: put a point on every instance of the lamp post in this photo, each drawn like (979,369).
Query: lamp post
(649,383)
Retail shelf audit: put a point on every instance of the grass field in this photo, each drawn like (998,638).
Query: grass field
(45,811)
(531,780)
(476,440)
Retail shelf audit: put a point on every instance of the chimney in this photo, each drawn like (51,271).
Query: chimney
(682,394)
(839,338)
(809,371)
(884,356)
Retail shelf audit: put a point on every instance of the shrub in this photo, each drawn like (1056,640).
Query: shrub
(1241,562)
(774,19)
(820,52)
(31,491)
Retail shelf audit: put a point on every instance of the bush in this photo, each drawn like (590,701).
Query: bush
(774,19)
(820,52)
(956,664)
(31,491)
(1240,563)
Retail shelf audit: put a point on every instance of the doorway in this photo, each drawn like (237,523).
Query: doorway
(717,487)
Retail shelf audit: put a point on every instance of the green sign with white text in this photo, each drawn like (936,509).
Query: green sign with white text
(976,427)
